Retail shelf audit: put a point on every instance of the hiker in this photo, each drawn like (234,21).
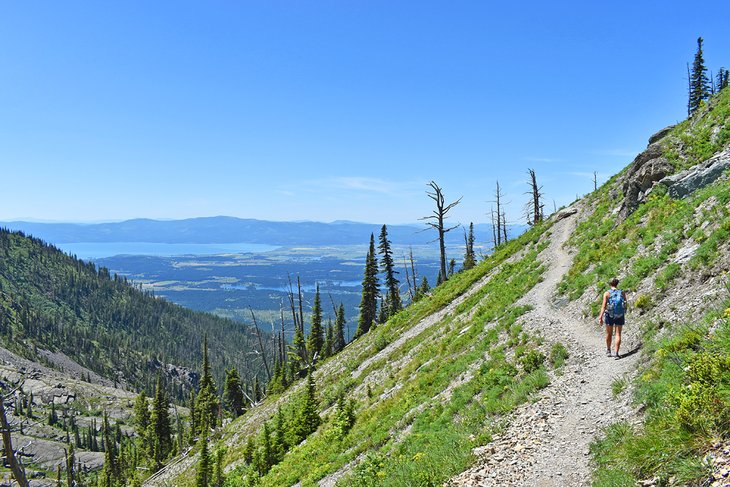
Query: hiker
(612,314)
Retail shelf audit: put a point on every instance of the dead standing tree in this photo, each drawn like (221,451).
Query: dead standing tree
(438,217)
(499,218)
(534,207)
(10,456)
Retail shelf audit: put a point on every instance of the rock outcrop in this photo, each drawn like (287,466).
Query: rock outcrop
(686,182)
(648,168)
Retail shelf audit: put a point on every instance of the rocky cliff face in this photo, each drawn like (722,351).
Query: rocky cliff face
(647,169)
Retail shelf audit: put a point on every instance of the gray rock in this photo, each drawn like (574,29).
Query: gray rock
(660,135)
(686,182)
(562,214)
(686,253)
(648,168)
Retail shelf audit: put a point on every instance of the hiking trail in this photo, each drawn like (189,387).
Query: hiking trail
(546,442)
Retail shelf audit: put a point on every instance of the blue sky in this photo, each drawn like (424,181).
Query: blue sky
(327,110)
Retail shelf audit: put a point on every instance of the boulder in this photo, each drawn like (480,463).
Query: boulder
(660,135)
(647,168)
(687,182)
(563,214)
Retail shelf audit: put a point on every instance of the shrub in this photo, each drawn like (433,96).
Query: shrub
(558,354)
(532,361)
(643,302)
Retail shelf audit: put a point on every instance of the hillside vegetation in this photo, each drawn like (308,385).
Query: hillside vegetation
(50,301)
(445,375)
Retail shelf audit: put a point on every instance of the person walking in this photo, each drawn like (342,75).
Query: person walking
(613,311)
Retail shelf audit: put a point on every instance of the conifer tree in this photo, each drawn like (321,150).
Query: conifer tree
(233,393)
(424,288)
(307,419)
(207,405)
(329,339)
(141,415)
(387,266)
(160,424)
(699,84)
(369,300)
(316,332)
(202,476)
(279,444)
(469,257)
(193,418)
(339,341)
(723,76)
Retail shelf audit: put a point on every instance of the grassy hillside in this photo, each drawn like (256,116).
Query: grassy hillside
(50,301)
(442,377)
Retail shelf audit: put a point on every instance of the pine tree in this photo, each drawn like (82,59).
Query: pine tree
(307,419)
(329,340)
(279,444)
(723,76)
(141,415)
(160,425)
(699,84)
(206,408)
(424,288)
(233,393)
(369,300)
(218,478)
(202,476)
(469,257)
(387,266)
(316,333)
(339,341)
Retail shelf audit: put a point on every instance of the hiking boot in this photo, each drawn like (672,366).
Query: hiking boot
(608,353)
(617,356)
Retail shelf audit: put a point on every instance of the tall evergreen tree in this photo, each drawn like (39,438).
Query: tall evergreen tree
(328,339)
(387,266)
(233,393)
(699,86)
(723,76)
(469,257)
(206,409)
(369,300)
(160,424)
(316,332)
(202,476)
(339,341)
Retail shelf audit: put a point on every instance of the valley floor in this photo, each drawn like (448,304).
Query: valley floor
(547,442)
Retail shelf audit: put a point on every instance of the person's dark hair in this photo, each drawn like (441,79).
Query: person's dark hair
(613,282)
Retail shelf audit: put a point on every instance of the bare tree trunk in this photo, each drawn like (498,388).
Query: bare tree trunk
(595,181)
(534,208)
(439,215)
(14,462)
(261,344)
(408,278)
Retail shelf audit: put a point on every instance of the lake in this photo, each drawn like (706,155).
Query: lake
(100,250)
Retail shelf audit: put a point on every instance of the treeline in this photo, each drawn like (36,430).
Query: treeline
(53,301)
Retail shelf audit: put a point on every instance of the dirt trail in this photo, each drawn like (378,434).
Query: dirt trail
(546,442)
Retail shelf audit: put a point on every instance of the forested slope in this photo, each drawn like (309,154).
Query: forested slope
(51,301)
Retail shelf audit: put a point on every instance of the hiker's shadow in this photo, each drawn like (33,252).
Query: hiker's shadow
(632,351)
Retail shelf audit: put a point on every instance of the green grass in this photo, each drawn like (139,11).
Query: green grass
(440,427)
(686,392)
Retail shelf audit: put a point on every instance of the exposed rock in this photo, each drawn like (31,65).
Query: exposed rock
(686,253)
(648,168)
(562,214)
(686,182)
(661,134)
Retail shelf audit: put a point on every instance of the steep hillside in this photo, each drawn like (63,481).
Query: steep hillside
(52,304)
(500,376)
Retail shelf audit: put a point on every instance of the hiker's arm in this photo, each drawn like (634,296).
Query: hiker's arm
(626,301)
(603,308)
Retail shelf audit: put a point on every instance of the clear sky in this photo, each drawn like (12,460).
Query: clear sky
(327,110)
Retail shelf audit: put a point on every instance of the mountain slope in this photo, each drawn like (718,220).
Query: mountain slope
(52,302)
(443,390)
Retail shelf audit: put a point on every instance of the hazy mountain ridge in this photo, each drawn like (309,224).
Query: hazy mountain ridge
(224,229)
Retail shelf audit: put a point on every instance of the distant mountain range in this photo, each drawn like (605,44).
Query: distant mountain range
(225,229)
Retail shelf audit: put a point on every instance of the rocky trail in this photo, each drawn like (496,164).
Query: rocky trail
(546,442)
